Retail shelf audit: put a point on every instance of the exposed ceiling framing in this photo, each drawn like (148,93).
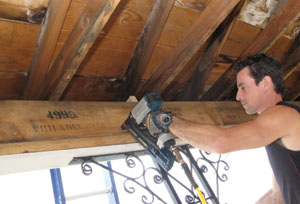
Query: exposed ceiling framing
(107,50)
(262,43)
(187,47)
(45,46)
(194,89)
(138,64)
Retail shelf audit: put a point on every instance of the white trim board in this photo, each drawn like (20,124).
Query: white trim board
(56,159)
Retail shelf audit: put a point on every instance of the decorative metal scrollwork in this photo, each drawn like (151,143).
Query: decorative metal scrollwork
(147,199)
(86,169)
(148,178)
(215,164)
(130,161)
(218,165)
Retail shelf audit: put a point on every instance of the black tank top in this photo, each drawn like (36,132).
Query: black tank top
(286,167)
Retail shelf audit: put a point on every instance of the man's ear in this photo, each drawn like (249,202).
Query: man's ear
(267,83)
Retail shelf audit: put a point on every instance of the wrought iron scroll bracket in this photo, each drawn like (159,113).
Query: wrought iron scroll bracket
(161,176)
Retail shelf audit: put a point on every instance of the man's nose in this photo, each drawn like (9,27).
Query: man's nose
(238,95)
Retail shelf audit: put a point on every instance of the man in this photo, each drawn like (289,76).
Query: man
(260,89)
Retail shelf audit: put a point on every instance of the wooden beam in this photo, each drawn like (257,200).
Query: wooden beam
(264,40)
(151,33)
(291,71)
(195,37)
(292,91)
(45,46)
(195,87)
(293,57)
(9,11)
(85,32)
(37,126)
(194,4)
(280,5)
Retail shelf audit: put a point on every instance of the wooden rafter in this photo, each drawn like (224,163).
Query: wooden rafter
(21,13)
(195,37)
(265,39)
(85,32)
(40,62)
(151,33)
(291,71)
(195,87)
(293,86)
(293,57)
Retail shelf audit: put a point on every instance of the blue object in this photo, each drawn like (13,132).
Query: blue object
(154,101)
(110,183)
(57,186)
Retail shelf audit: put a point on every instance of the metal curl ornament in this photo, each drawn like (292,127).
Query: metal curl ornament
(158,179)
(87,170)
(215,165)
(189,199)
(130,162)
(131,189)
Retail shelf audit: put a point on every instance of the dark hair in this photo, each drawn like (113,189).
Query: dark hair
(261,65)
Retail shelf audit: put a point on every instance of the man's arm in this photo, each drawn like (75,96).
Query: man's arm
(273,196)
(274,123)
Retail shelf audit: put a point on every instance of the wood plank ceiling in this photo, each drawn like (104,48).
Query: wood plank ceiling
(108,50)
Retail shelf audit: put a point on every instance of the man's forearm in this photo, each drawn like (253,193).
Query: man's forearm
(204,137)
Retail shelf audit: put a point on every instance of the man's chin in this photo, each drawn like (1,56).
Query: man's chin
(248,109)
(249,112)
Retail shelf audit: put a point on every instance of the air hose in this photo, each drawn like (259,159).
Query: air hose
(188,173)
(181,161)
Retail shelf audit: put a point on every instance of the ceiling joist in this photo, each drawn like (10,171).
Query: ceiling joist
(195,87)
(10,11)
(264,40)
(195,37)
(291,71)
(292,86)
(42,55)
(293,57)
(151,33)
(26,59)
(89,25)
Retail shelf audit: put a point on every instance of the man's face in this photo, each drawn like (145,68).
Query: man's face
(249,94)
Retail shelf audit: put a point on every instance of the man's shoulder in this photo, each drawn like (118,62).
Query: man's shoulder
(289,119)
(277,113)
(282,111)
(290,105)
(283,119)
